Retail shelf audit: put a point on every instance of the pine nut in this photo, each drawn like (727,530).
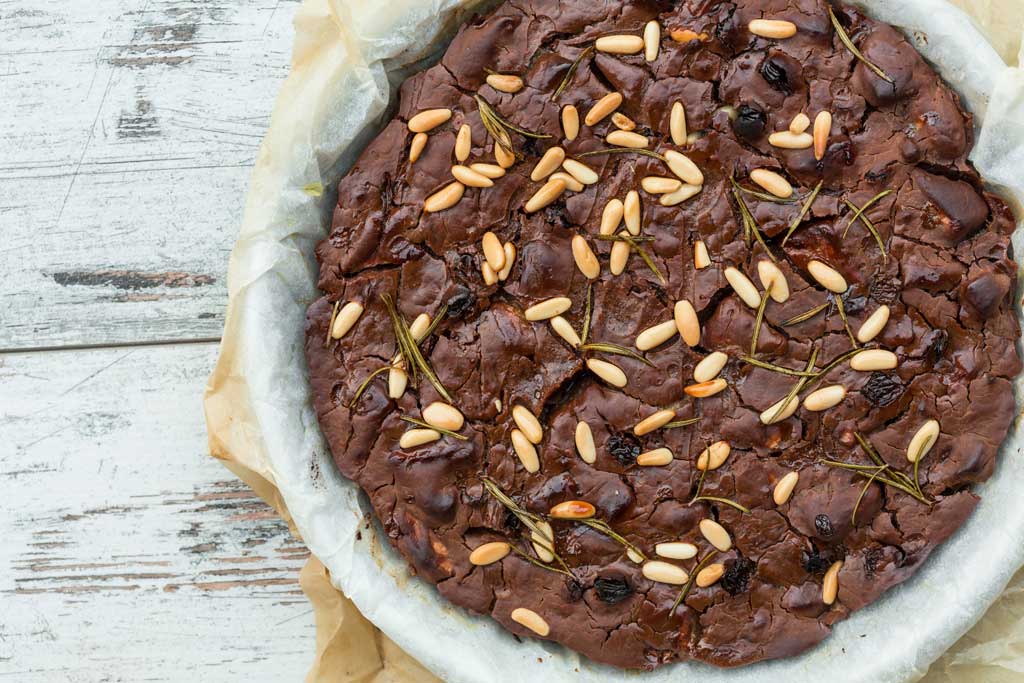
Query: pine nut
(685,35)
(631,212)
(773,280)
(585,258)
(714,456)
(786,140)
(822,128)
(676,550)
(571,184)
(716,535)
(634,557)
(505,83)
(709,367)
(573,509)
(490,276)
(701,258)
(580,171)
(687,323)
(531,620)
(548,308)
(772,182)
(610,373)
(684,193)
(564,330)
(543,542)
(547,194)
(873,326)
(418,329)
(743,287)
(923,441)
(776,413)
(825,398)
(585,443)
(710,575)
(463,142)
(611,217)
(772,28)
(346,319)
(784,488)
(706,389)
(830,585)
(652,40)
(799,124)
(504,157)
(419,141)
(570,122)
(528,423)
(603,108)
(471,178)
(827,276)
(491,171)
(510,259)
(683,166)
(619,256)
(654,421)
(623,122)
(665,572)
(442,415)
(398,380)
(418,437)
(445,198)
(656,458)
(656,335)
(625,138)
(489,553)
(659,185)
(677,124)
(526,451)
(493,250)
(429,120)
(548,164)
(874,359)
(620,44)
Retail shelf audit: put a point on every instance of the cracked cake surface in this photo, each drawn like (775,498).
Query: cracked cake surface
(668,330)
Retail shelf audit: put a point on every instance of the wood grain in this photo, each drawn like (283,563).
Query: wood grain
(127,131)
(128,553)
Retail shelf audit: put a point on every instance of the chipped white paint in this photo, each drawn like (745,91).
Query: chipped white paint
(128,129)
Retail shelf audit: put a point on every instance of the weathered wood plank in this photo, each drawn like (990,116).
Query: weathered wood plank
(129,554)
(127,131)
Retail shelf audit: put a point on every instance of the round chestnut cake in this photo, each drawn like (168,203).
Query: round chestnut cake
(668,330)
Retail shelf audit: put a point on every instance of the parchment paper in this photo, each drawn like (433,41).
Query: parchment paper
(262,425)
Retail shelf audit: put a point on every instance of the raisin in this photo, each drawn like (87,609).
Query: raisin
(555,214)
(749,122)
(824,526)
(612,591)
(573,589)
(872,557)
(511,522)
(882,389)
(854,305)
(841,153)
(775,75)
(937,344)
(816,563)
(737,574)
(460,304)
(884,291)
(624,448)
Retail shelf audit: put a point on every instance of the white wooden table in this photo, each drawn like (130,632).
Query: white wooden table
(127,131)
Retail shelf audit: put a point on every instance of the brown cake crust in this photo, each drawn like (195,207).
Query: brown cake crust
(948,279)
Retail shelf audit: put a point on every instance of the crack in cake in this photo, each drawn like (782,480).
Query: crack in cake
(668,330)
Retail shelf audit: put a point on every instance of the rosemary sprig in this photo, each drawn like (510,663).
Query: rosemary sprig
(726,501)
(836,362)
(528,519)
(681,423)
(427,425)
(776,368)
(841,307)
(853,48)
(628,239)
(693,577)
(859,213)
(749,224)
(877,459)
(330,325)
(411,349)
(588,310)
(803,212)
(806,315)
(875,473)
(492,113)
(615,349)
(797,388)
(584,53)
(537,563)
(759,320)
(366,383)
(495,130)
(622,150)
(602,527)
